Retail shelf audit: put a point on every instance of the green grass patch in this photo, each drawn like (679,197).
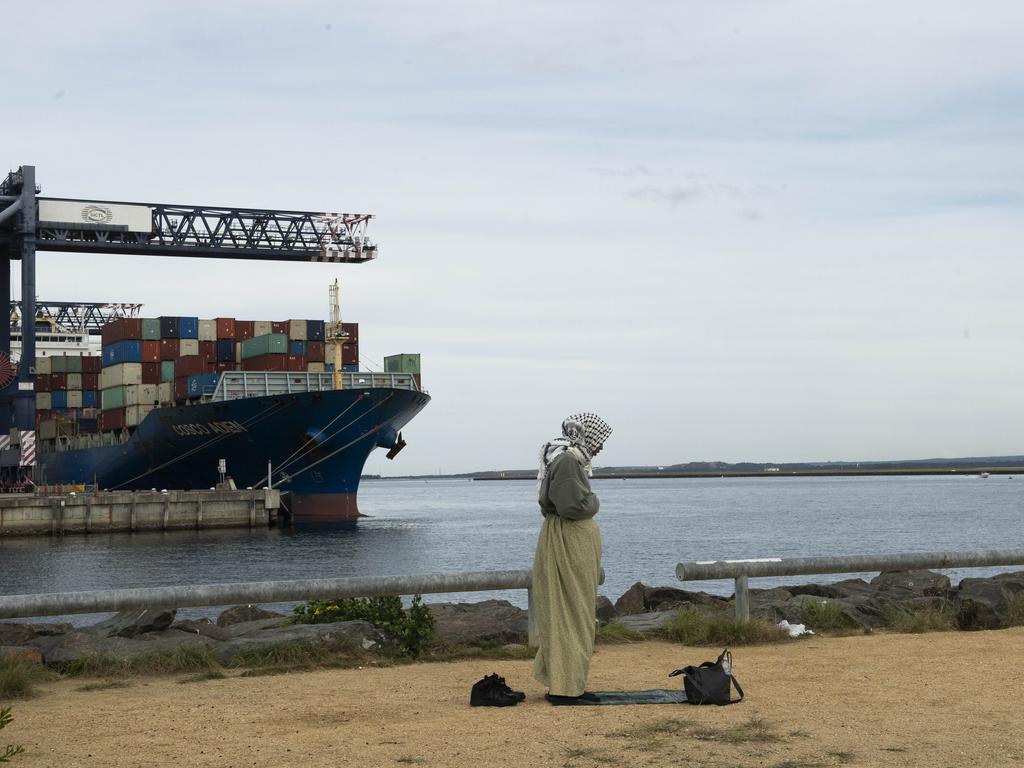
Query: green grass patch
(413,628)
(187,658)
(1015,611)
(695,626)
(824,616)
(617,633)
(202,677)
(18,677)
(103,685)
(446,652)
(920,620)
(301,654)
(842,758)
(754,731)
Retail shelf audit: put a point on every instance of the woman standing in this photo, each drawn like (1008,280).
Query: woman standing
(567,565)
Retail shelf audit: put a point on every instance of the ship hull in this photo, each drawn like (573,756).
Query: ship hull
(316,444)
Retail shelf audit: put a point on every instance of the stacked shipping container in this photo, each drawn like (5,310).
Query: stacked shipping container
(167,361)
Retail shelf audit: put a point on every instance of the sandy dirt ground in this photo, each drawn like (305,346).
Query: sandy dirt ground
(942,699)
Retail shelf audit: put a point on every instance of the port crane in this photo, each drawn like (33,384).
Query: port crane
(30,223)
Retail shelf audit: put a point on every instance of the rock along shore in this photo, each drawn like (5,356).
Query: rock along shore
(975,603)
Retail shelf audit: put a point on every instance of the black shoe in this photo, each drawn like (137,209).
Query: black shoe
(489,692)
(585,698)
(501,681)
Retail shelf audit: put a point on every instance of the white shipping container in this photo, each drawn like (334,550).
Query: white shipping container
(134,414)
(43,401)
(297,330)
(315,367)
(43,365)
(123,374)
(262,328)
(188,347)
(141,394)
(74,398)
(74,382)
(207,330)
(165,392)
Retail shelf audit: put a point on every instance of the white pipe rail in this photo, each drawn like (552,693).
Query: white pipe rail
(742,570)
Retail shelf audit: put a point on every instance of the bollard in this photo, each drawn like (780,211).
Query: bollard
(742,599)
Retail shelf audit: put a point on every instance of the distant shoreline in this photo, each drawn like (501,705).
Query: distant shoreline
(640,475)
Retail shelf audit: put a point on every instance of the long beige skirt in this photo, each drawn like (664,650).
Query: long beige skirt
(566,571)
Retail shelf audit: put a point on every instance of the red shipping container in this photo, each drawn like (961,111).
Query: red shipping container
(266,363)
(349,354)
(244,330)
(181,388)
(90,381)
(169,349)
(222,367)
(208,351)
(58,381)
(150,352)
(150,373)
(42,382)
(209,366)
(92,364)
(121,329)
(43,415)
(112,419)
(295,363)
(193,365)
(225,327)
(352,329)
(315,351)
(279,326)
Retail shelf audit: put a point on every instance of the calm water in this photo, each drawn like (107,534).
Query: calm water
(647,527)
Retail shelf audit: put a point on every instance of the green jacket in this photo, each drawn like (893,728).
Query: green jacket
(565,490)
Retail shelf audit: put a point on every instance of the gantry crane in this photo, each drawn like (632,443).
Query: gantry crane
(335,335)
(29,223)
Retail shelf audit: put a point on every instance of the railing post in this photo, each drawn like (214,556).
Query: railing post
(531,621)
(742,599)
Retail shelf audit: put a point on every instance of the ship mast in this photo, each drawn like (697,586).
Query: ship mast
(335,335)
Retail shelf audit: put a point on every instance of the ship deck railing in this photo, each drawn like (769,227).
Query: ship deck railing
(233,385)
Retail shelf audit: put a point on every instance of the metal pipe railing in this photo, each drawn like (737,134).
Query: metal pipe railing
(742,570)
(105,601)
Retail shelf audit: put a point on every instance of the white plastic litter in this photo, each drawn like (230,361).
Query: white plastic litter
(795,630)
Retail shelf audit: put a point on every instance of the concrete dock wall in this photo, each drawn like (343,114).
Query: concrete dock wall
(55,515)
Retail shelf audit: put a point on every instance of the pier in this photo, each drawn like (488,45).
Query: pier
(104,512)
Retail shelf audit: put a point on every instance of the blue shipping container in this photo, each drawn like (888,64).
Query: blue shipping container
(297,348)
(328,367)
(90,399)
(169,327)
(58,399)
(315,330)
(188,327)
(196,384)
(128,351)
(350,368)
(225,351)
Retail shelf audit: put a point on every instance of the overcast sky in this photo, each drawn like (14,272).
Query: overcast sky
(771,231)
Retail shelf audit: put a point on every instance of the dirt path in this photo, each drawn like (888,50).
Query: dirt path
(943,699)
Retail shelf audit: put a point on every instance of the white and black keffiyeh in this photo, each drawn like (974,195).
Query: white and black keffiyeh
(582,432)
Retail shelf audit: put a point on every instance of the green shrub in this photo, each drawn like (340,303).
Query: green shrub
(918,620)
(692,626)
(18,677)
(412,629)
(821,615)
(10,750)
(1015,611)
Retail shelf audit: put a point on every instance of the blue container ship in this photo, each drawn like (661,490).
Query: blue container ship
(315,440)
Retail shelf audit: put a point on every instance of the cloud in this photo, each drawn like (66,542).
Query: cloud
(628,172)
